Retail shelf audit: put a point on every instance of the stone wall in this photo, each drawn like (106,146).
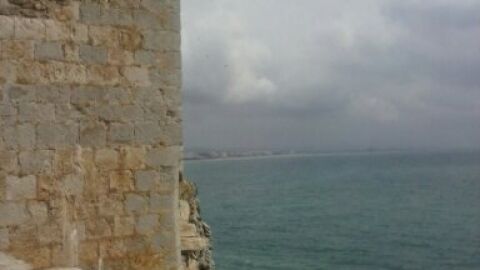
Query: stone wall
(90,133)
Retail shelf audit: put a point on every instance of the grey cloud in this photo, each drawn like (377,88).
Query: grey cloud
(331,74)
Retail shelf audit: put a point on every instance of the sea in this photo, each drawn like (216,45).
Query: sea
(352,211)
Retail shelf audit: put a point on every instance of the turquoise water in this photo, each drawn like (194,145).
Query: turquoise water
(359,211)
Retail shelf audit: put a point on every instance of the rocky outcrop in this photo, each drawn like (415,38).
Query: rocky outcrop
(195,234)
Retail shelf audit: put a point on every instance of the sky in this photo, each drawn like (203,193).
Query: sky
(331,74)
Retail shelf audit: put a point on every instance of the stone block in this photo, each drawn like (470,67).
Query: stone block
(80,33)
(49,233)
(121,181)
(169,62)
(120,57)
(163,156)
(90,13)
(52,94)
(8,161)
(27,28)
(73,184)
(93,54)
(66,160)
(106,36)
(163,240)
(163,41)
(159,202)
(46,186)
(71,52)
(24,236)
(113,249)
(157,20)
(165,79)
(148,133)
(137,76)
(146,180)
(137,245)
(74,73)
(146,58)
(17,49)
(57,31)
(7,110)
(66,134)
(158,6)
(114,95)
(34,113)
(25,136)
(132,113)
(121,133)
(49,51)
(38,258)
(168,180)
(30,73)
(4,239)
(147,224)
(93,134)
(84,207)
(98,228)
(12,213)
(84,96)
(9,137)
(46,135)
(106,159)
(119,113)
(38,211)
(173,134)
(7,23)
(145,19)
(88,251)
(116,16)
(123,226)
(36,162)
(103,75)
(17,94)
(132,158)
(111,205)
(155,110)
(135,203)
(21,188)
(130,39)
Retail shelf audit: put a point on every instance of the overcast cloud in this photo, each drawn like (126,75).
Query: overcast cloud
(331,74)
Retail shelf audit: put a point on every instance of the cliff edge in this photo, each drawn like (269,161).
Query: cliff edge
(195,234)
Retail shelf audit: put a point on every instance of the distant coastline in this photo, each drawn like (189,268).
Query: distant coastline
(250,154)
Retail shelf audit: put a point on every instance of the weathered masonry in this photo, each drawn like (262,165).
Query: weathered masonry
(90,134)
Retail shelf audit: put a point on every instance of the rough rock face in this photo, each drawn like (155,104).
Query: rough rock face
(194,233)
(30,8)
(90,133)
(9,263)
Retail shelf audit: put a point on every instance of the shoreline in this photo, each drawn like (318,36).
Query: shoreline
(288,155)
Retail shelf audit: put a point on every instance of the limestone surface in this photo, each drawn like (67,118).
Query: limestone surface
(90,134)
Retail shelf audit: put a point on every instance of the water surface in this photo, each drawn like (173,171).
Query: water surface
(348,211)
